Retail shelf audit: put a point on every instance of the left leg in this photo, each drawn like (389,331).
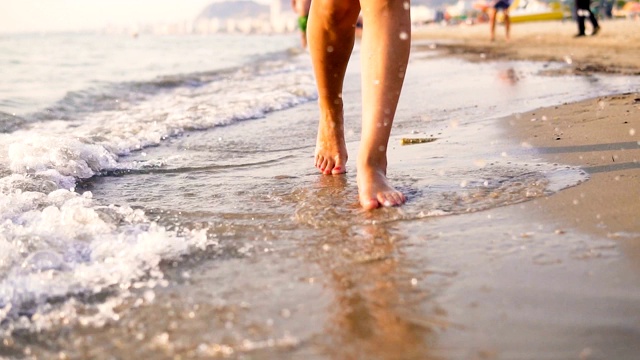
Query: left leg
(385,54)
(507,22)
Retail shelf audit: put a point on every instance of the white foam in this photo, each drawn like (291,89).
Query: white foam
(57,243)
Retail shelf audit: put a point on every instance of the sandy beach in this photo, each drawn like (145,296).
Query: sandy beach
(615,49)
(601,135)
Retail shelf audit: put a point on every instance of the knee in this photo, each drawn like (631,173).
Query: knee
(335,13)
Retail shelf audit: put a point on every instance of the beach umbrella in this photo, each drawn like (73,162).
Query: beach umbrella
(631,7)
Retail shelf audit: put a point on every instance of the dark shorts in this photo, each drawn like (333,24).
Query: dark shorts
(501,5)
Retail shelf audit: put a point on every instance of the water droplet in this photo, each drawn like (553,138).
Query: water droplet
(149,296)
(414,282)
(632,132)
(406,5)
(404,35)
(376,82)
(329,49)
(286,313)
(381,148)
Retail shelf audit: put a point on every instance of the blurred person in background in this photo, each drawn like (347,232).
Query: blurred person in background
(500,5)
(583,11)
(301,8)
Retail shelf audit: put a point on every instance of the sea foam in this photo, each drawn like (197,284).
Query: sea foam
(57,242)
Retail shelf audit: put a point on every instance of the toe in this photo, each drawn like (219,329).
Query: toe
(338,170)
(391,199)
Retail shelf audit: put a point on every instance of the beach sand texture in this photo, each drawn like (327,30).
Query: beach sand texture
(600,135)
(308,275)
(615,49)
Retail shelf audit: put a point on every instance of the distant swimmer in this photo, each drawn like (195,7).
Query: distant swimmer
(301,7)
(500,5)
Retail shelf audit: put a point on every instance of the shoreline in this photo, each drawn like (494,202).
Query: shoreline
(601,135)
(585,303)
(611,51)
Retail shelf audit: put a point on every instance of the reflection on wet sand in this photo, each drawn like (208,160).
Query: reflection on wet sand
(378,305)
(508,76)
(374,300)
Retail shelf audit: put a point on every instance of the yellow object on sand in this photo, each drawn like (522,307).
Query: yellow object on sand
(409,141)
(533,10)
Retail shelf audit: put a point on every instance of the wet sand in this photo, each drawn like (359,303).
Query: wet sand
(600,135)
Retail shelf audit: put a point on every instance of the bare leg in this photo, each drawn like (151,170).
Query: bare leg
(331,34)
(507,22)
(492,19)
(385,54)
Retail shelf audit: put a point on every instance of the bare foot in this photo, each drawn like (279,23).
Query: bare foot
(374,190)
(331,149)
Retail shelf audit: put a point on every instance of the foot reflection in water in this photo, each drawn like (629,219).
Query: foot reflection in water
(378,309)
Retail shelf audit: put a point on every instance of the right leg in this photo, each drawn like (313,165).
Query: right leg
(594,22)
(331,35)
(507,23)
(492,19)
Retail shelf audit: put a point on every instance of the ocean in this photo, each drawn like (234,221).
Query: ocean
(158,196)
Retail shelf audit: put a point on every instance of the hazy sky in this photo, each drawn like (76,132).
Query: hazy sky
(61,15)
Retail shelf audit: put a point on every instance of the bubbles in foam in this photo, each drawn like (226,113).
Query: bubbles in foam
(56,243)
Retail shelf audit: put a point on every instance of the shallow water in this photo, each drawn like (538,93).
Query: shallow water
(197,227)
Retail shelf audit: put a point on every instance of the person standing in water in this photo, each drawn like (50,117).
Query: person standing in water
(500,5)
(385,50)
(301,7)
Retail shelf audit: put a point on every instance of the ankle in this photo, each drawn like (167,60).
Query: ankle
(372,163)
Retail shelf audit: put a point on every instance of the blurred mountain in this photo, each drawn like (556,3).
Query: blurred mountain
(234,10)
(250,9)
(436,4)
